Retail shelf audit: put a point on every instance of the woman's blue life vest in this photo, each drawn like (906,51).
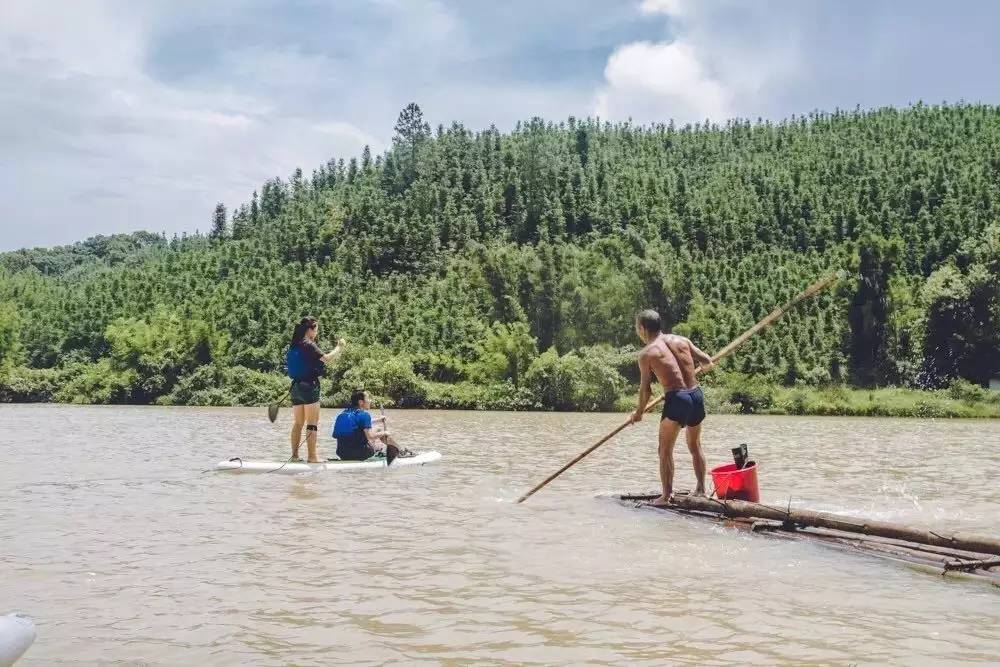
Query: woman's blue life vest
(298,366)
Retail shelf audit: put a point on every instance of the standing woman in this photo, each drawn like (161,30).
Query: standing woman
(306,363)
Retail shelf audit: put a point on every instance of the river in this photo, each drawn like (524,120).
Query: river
(125,553)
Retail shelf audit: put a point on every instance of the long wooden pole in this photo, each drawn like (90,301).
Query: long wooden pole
(727,350)
(741,508)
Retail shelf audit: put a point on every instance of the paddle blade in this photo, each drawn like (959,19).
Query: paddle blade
(391,452)
(272,412)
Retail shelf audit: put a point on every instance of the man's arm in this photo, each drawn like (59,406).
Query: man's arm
(645,378)
(374,437)
(704,360)
(365,422)
(381,419)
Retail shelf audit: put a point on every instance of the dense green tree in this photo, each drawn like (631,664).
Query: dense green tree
(9,336)
(219,224)
(963,339)
(411,132)
(869,312)
(504,353)
(468,251)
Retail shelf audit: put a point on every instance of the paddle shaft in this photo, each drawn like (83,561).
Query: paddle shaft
(727,350)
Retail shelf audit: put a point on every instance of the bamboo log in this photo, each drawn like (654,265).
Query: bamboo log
(943,552)
(939,560)
(741,508)
(869,542)
(969,565)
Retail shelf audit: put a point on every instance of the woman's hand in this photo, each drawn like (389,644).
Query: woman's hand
(335,351)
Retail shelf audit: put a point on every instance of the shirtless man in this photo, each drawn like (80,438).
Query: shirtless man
(671,359)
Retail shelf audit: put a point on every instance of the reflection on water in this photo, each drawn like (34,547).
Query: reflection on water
(124,553)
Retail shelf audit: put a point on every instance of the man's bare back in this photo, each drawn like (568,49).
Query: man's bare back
(671,359)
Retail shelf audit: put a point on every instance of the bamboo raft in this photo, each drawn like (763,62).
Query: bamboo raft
(959,555)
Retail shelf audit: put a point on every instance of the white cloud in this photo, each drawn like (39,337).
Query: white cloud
(97,38)
(92,143)
(726,58)
(721,60)
(652,82)
(670,7)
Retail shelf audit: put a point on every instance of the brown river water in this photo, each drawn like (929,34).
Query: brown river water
(124,553)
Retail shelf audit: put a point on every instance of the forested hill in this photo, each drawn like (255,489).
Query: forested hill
(503,259)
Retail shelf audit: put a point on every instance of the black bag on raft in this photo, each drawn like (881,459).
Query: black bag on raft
(741,456)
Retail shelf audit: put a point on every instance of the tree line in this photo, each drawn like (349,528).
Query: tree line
(510,264)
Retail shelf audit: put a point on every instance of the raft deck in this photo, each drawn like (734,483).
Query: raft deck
(940,560)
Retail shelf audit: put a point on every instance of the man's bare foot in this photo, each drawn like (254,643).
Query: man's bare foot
(662,501)
(313,461)
(698,492)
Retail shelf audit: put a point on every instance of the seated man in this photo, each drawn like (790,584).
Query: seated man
(356,440)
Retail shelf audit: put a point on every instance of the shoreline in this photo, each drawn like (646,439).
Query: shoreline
(885,402)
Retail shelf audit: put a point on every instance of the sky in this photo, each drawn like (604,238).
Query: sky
(122,116)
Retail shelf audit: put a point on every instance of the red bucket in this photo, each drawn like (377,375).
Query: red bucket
(732,483)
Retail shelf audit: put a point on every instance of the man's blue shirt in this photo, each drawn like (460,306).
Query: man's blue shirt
(351,421)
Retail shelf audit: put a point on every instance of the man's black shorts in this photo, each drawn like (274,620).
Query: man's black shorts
(354,447)
(684,406)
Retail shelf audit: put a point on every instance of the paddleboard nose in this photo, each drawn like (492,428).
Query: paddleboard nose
(17,634)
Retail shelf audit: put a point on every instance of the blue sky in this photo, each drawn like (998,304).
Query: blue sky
(118,116)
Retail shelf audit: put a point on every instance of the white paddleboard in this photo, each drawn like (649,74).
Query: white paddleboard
(17,633)
(278,467)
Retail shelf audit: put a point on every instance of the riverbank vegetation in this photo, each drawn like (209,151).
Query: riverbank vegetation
(501,271)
